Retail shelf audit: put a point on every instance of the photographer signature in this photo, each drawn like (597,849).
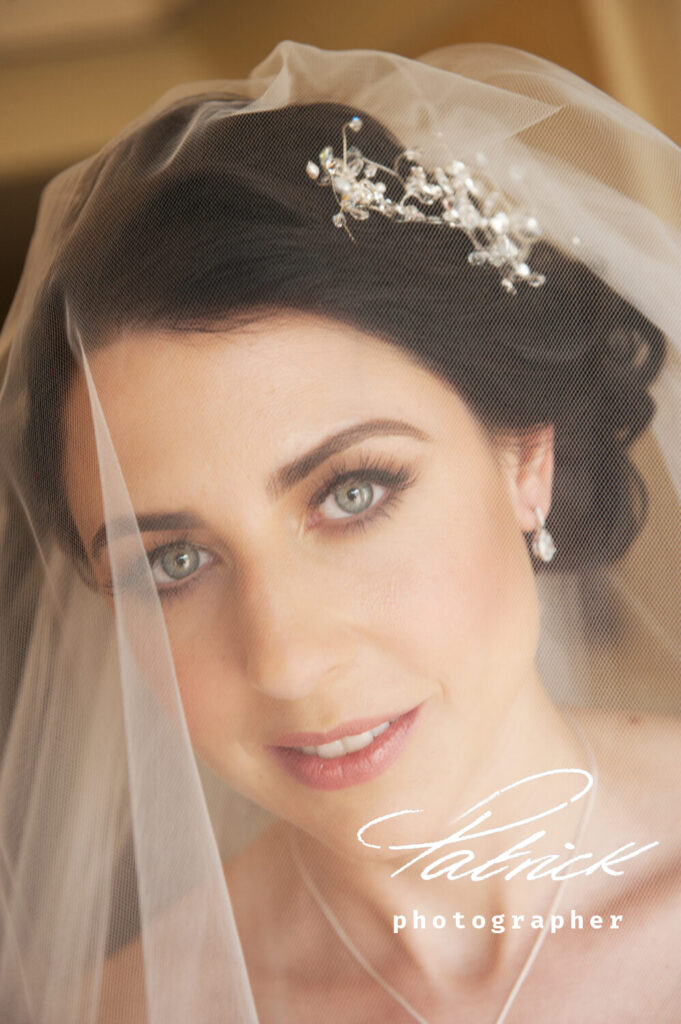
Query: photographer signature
(454,859)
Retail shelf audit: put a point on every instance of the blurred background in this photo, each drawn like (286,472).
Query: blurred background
(72,73)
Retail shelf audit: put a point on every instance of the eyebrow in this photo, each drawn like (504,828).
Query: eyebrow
(280,482)
(153,521)
(293,472)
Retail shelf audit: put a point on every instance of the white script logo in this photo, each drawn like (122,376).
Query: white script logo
(452,862)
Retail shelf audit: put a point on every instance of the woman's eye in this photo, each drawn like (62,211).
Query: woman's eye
(177,562)
(351,498)
(356,494)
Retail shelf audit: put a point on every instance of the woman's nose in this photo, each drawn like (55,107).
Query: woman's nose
(292,635)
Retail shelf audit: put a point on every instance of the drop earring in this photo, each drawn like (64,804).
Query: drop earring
(543,545)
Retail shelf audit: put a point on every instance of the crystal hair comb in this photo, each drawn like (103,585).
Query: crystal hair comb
(502,236)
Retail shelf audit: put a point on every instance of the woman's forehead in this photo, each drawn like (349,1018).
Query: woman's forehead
(291,375)
(190,413)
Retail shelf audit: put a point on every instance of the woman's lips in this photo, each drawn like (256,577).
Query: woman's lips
(347,769)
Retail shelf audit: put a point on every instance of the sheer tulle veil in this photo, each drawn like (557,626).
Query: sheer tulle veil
(115,825)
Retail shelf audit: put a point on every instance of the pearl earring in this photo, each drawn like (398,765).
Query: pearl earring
(543,545)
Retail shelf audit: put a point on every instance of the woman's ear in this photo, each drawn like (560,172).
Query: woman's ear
(526,461)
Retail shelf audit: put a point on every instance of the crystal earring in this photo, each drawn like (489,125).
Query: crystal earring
(542,542)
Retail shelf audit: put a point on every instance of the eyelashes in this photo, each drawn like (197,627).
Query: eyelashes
(381,481)
(391,477)
(134,576)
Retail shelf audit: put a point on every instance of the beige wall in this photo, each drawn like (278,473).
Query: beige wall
(60,101)
(73,73)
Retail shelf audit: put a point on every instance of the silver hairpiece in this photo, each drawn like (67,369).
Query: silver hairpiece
(501,234)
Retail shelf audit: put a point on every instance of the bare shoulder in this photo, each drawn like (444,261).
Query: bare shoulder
(635,741)
(637,795)
(639,762)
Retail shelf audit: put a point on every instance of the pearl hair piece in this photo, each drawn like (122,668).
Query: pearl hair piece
(501,235)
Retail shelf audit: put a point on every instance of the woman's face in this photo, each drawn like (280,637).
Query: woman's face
(335,544)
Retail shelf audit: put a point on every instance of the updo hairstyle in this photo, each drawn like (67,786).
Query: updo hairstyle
(205,218)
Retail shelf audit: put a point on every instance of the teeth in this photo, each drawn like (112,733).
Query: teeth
(347,744)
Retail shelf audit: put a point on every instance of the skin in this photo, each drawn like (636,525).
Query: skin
(293,614)
(299,619)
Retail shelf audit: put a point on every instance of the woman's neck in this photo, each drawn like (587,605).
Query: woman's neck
(398,903)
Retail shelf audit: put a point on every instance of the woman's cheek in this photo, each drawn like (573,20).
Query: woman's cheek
(200,651)
(462,601)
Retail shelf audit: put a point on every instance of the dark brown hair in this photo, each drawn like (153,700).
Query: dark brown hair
(231,227)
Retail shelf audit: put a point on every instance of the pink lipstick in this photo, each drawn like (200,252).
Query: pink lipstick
(339,769)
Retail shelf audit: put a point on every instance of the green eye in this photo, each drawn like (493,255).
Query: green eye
(355,497)
(176,562)
(351,498)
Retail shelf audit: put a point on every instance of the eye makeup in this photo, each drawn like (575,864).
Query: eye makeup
(391,477)
(387,478)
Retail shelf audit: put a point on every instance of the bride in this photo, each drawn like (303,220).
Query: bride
(340,431)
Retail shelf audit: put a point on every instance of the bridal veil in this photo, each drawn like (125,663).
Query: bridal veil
(114,830)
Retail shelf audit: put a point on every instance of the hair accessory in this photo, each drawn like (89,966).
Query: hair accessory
(543,545)
(501,235)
